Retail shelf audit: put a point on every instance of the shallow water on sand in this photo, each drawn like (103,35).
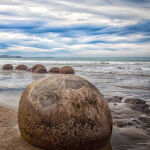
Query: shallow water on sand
(128,77)
(124,78)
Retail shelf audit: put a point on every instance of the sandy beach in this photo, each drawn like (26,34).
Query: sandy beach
(9,134)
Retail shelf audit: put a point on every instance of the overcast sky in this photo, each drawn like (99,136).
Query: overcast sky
(75,28)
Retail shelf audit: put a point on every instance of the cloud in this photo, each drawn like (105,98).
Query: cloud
(75,28)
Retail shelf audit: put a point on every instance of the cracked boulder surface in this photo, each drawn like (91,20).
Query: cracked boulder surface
(64,112)
(36,66)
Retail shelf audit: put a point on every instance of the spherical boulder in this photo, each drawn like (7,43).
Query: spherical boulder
(7,67)
(64,112)
(54,70)
(21,67)
(40,70)
(67,70)
(37,66)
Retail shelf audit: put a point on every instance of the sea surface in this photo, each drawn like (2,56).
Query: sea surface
(129,76)
(126,77)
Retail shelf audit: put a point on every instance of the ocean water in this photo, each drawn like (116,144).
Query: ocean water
(127,77)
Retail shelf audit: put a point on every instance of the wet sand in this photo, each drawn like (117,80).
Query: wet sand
(10,138)
(131,129)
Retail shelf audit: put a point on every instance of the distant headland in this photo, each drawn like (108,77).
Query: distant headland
(8,56)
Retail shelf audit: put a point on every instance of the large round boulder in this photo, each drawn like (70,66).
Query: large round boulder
(21,67)
(64,112)
(67,70)
(7,67)
(37,66)
(54,70)
(40,70)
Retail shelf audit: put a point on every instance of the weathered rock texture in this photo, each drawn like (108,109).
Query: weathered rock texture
(64,112)
(37,66)
(134,101)
(141,108)
(54,70)
(114,99)
(7,67)
(21,67)
(67,70)
(40,70)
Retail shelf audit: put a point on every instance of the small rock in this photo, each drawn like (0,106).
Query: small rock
(145,120)
(141,108)
(40,70)
(21,67)
(114,99)
(145,123)
(54,70)
(134,101)
(7,67)
(121,124)
(67,70)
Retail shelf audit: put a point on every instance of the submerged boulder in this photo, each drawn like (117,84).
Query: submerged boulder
(114,99)
(54,70)
(64,112)
(144,108)
(40,70)
(67,70)
(134,101)
(122,123)
(7,67)
(21,67)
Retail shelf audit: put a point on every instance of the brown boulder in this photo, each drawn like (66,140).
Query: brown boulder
(7,67)
(64,112)
(54,70)
(67,70)
(40,70)
(37,66)
(21,67)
